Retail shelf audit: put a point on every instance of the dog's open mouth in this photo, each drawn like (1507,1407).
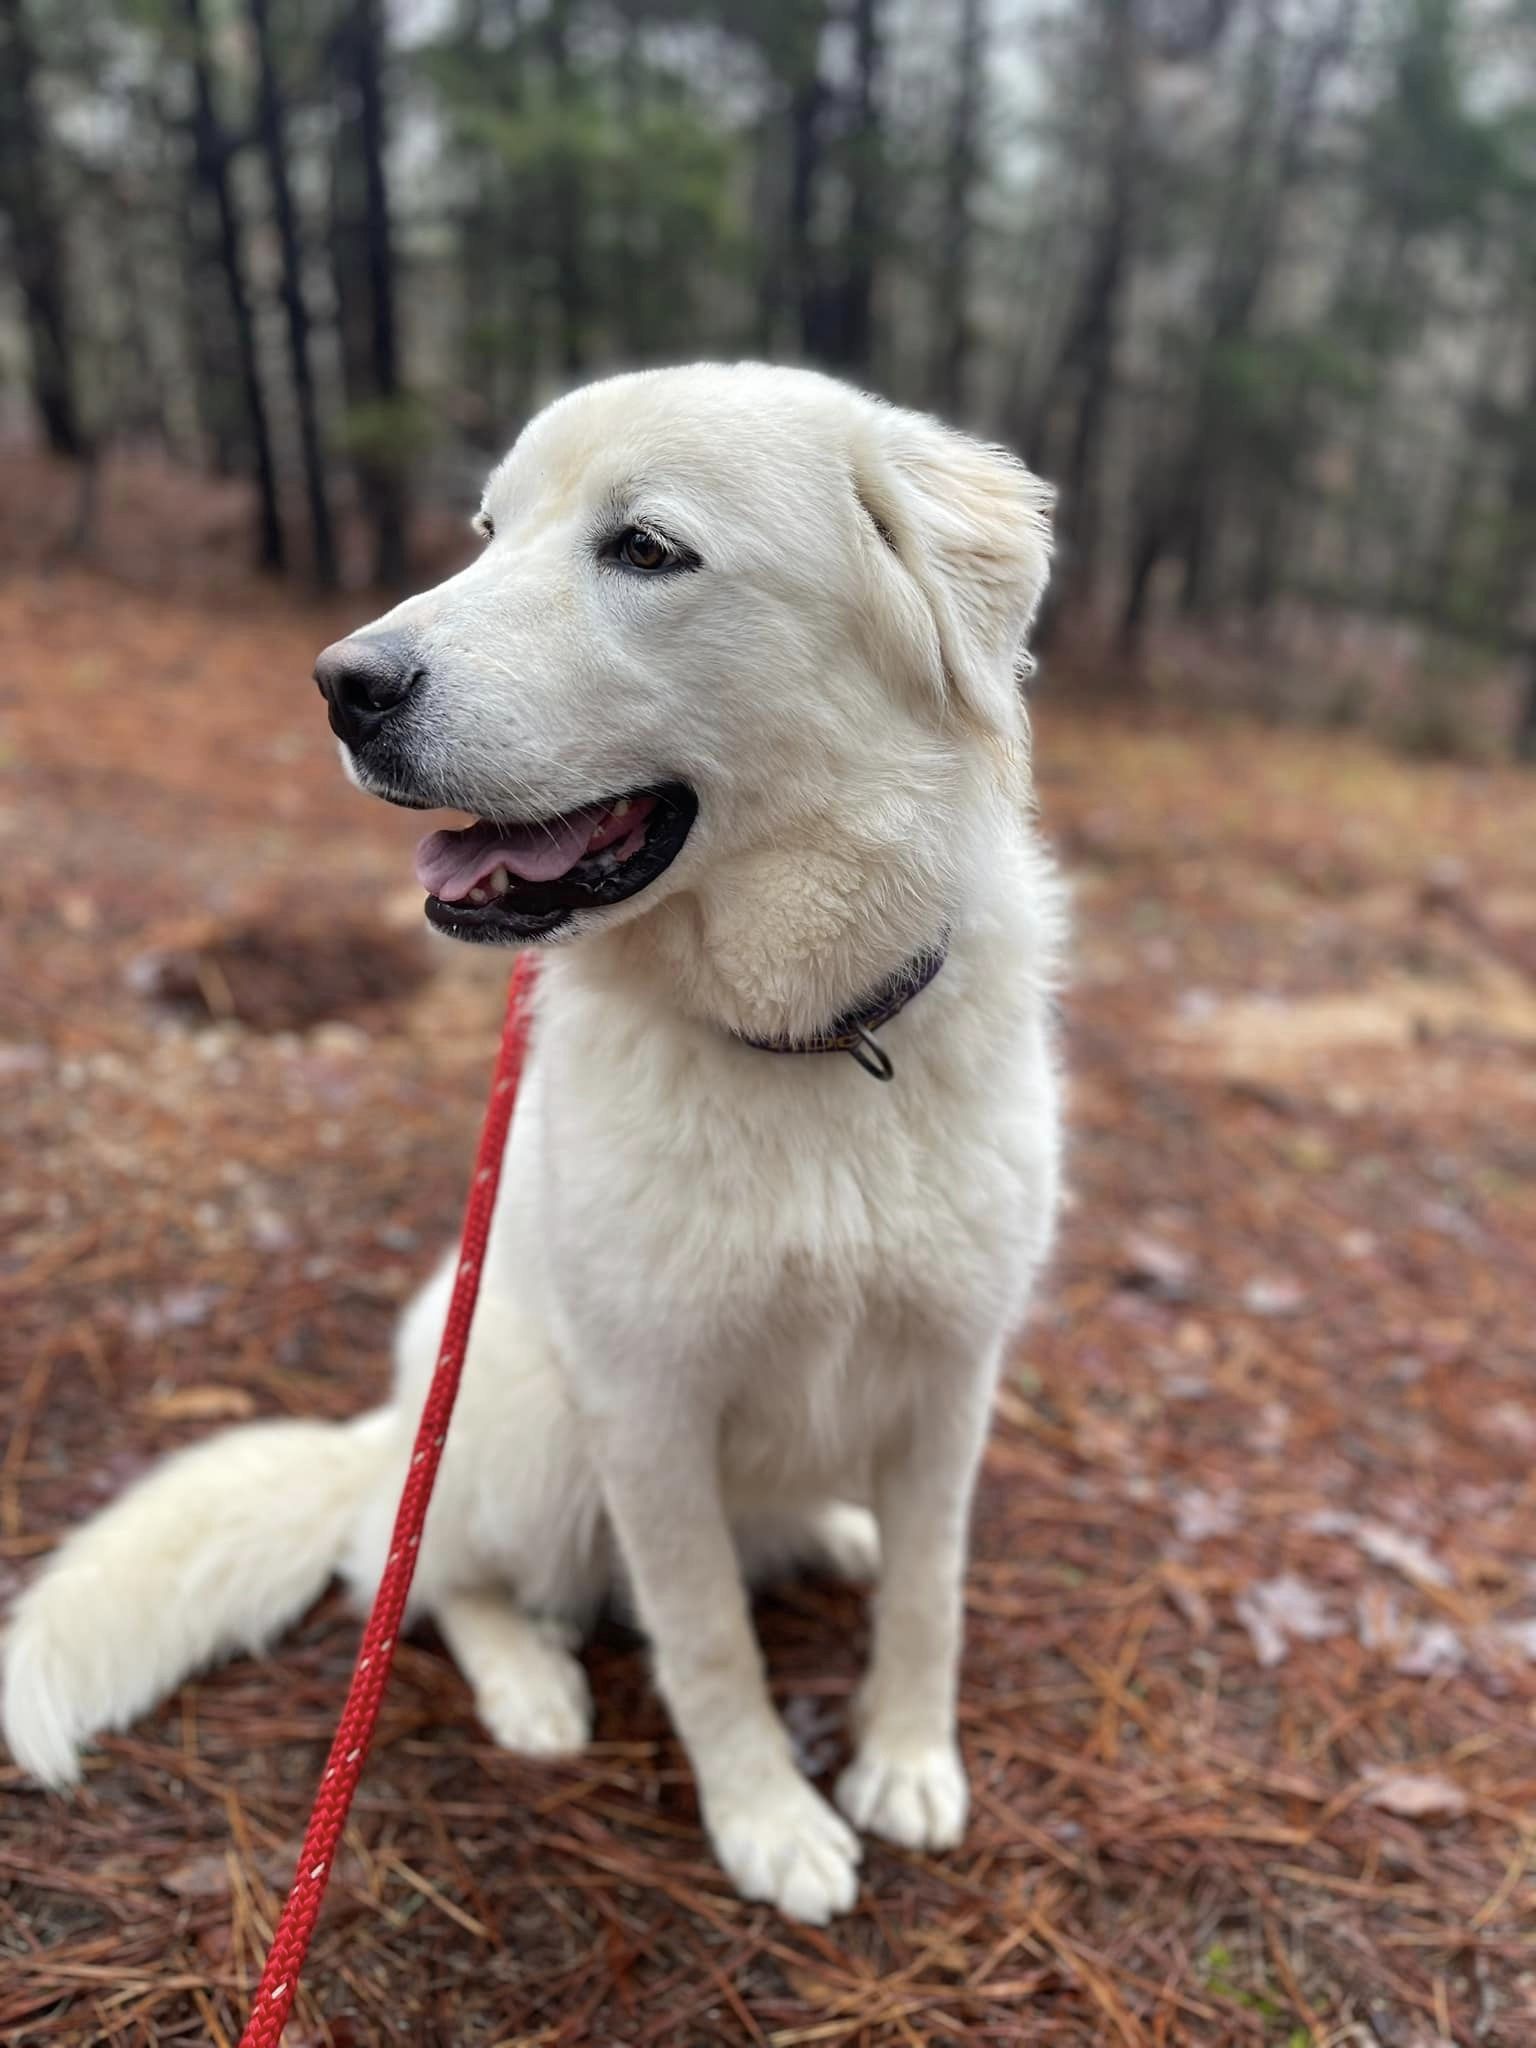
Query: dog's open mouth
(496,882)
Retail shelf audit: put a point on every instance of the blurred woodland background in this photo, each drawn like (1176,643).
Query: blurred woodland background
(1254,281)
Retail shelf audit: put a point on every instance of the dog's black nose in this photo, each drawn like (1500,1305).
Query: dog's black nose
(365,678)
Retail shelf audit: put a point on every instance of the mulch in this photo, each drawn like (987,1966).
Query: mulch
(1249,1697)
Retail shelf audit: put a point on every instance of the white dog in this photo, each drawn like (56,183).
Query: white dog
(734,691)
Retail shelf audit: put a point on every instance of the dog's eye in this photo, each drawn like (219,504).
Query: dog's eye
(638,549)
(644,551)
(484,525)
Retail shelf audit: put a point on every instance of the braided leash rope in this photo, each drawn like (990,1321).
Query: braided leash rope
(354,1733)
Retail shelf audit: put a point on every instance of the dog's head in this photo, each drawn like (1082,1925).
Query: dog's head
(721,615)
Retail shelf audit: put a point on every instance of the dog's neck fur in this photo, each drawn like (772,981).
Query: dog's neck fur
(776,942)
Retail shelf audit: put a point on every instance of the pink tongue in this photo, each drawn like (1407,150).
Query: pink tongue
(449,864)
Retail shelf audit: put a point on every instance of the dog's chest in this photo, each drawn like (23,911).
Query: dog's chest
(789,1227)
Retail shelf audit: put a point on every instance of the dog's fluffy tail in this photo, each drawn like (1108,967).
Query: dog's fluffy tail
(214,1551)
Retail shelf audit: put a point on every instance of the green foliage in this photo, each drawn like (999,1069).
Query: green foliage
(1261,378)
(786,33)
(1221,1974)
(465,75)
(654,175)
(386,434)
(1431,163)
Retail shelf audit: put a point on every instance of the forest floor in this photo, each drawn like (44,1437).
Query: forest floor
(1249,1697)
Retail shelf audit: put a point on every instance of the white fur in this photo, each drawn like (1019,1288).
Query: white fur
(729,1295)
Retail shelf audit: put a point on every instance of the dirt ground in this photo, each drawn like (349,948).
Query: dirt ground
(1248,1697)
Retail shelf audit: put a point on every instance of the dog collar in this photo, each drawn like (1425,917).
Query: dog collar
(853,1032)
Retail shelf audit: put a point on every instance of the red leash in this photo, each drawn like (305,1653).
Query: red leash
(290,1944)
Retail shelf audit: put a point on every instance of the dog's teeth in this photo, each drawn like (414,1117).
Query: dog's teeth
(477,896)
(624,804)
(499,883)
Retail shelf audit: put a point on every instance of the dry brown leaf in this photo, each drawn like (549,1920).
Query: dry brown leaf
(1416,1795)
(1277,1611)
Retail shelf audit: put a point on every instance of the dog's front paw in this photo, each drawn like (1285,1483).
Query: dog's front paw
(915,1796)
(538,1704)
(782,1842)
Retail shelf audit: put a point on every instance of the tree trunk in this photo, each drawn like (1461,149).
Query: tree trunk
(1525,728)
(363,262)
(213,190)
(565,201)
(1373,433)
(806,115)
(769,216)
(1202,524)
(1436,574)
(498,351)
(1512,571)
(849,328)
(952,334)
(1178,516)
(807,118)
(134,392)
(631,301)
(213,354)
(270,123)
(1084,368)
(1266,552)
(390,512)
(37,248)
(1518,552)
(1101,310)
(1151,541)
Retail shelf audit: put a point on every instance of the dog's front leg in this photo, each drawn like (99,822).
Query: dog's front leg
(776,1836)
(906,1781)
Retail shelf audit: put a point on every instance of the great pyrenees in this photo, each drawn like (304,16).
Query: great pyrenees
(733,692)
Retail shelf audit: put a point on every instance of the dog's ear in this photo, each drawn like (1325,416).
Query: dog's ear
(970,525)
